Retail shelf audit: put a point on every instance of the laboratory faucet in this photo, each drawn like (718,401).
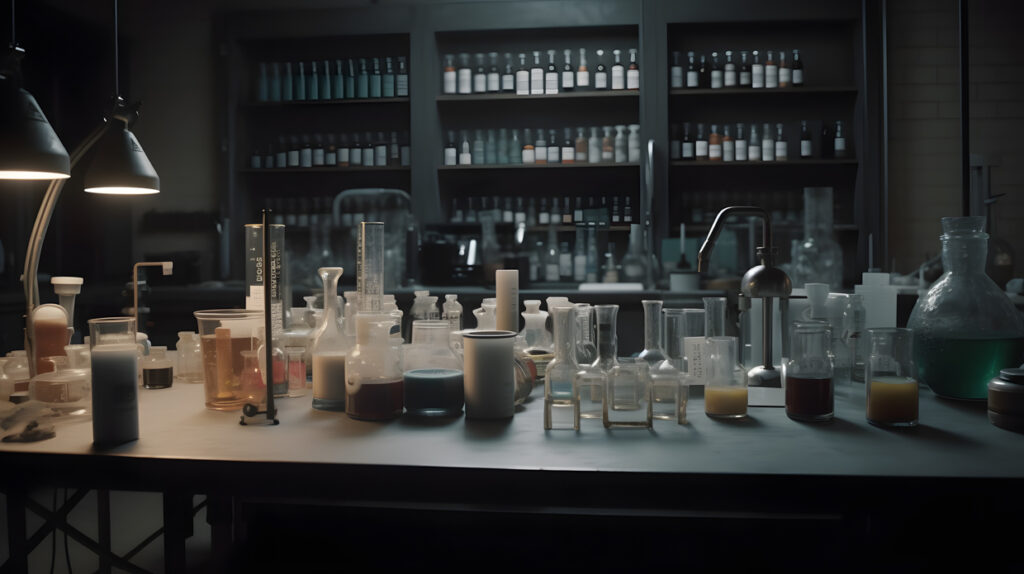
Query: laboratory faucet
(764,281)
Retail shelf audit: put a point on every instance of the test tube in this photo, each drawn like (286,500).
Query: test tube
(370,268)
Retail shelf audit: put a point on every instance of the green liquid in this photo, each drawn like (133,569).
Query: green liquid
(962,368)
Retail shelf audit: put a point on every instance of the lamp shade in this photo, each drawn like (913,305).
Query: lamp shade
(29,148)
(119,166)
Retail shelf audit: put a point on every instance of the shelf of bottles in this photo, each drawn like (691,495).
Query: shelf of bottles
(504,148)
(757,143)
(378,79)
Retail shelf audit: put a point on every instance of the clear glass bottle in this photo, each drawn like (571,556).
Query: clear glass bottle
(714,144)
(594,146)
(493,74)
(756,71)
(798,70)
(601,74)
(745,78)
(387,79)
(785,72)
(634,262)
(491,148)
(701,144)
(653,352)
(157,369)
(582,74)
(551,75)
(618,71)
(965,328)
(687,149)
(818,258)
(190,366)
(540,148)
(522,77)
(363,80)
(771,71)
(621,151)
(728,145)
(807,373)
(536,76)
(373,378)
(432,376)
(633,72)
(608,146)
(568,72)
(855,335)
(350,79)
(586,346)
(839,140)
(669,384)
(581,146)
(480,74)
(402,79)
(767,143)
(676,79)
(729,77)
(464,75)
(754,144)
(448,76)
(561,400)
(329,348)
(692,73)
(717,73)
(806,146)
(508,76)
(781,145)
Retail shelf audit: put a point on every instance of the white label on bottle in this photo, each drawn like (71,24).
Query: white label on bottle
(540,153)
(465,81)
(728,150)
(618,82)
(687,151)
(508,82)
(702,148)
(306,157)
(840,144)
(696,361)
(798,77)
(632,79)
(450,156)
(293,158)
(520,217)
(785,76)
(404,153)
(745,78)
(716,79)
(522,83)
(757,76)
(568,154)
(449,82)
(567,80)
(582,78)
(771,76)
(692,79)
(343,155)
(331,158)
(528,155)
(767,150)
(601,80)
(493,82)
(607,155)
(741,150)
(507,216)
(565,264)
(479,83)
(380,155)
(356,156)
(402,85)
(673,149)
(368,156)
(805,148)
(553,154)
(730,78)
(677,77)
(536,81)
(781,150)
(634,154)
(579,268)
(280,159)
(543,218)
(551,272)
(754,152)
(465,158)
(715,151)
(551,83)
(318,157)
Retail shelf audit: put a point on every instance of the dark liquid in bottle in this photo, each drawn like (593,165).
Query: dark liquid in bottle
(374,402)
(809,399)
(157,378)
(433,392)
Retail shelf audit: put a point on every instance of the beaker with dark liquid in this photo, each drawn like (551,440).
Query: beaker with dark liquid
(373,378)
(810,392)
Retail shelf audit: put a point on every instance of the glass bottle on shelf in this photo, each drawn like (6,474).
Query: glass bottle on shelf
(448,83)
(634,262)
(502,151)
(728,145)
(287,83)
(493,74)
(676,71)
(714,144)
(465,151)
(701,144)
(551,75)
(491,148)
(300,83)
(798,70)
(508,76)
(368,150)
(810,391)
(839,140)
(687,150)
(373,377)
(601,75)
(464,75)
(729,77)
(781,145)
(480,74)
(741,143)
(965,328)
(754,144)
(529,153)
(608,146)
(745,72)
(551,251)
(350,79)
(771,71)
(633,72)
(363,80)
(618,71)
(479,155)
(507,215)
(756,71)
(568,152)
(692,73)
(402,79)
(522,77)
(515,148)
(554,150)
(582,73)
(387,79)
(579,256)
(432,377)
(818,258)
(329,348)
(568,73)
(520,213)
(705,72)
(621,154)
(592,255)
(540,148)
(594,146)
(561,400)
(806,147)
(717,73)
(564,262)
(581,146)
(785,72)
(536,76)
(767,143)
(451,311)
(633,144)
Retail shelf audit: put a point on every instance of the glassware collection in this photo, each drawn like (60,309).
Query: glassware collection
(753,69)
(580,145)
(756,142)
(344,150)
(338,79)
(539,73)
(585,209)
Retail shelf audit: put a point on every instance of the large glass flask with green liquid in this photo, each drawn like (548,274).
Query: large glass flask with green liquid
(965,328)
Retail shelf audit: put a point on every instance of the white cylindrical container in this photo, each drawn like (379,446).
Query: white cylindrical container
(507,295)
(489,374)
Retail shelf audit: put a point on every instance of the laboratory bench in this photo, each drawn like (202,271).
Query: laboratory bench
(765,490)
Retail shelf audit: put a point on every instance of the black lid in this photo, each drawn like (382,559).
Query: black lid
(1012,375)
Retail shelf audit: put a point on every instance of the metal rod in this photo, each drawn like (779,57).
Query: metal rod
(268,320)
(117,76)
(965,114)
(766,333)
(13,41)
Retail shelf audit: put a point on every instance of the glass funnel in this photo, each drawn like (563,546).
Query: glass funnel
(965,328)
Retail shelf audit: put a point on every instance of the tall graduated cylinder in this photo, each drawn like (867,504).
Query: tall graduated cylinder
(115,365)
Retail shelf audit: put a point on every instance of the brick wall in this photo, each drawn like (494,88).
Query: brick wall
(924,120)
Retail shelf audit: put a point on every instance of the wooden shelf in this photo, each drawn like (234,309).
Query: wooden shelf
(591,95)
(323,169)
(304,103)
(537,166)
(851,90)
(765,164)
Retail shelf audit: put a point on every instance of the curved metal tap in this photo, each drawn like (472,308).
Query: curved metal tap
(716,229)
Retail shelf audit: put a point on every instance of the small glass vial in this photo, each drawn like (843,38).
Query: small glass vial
(717,73)
(568,72)
(465,75)
(692,73)
(618,71)
(480,74)
(551,75)
(295,367)
(892,389)
(522,77)
(745,70)
(729,77)
(806,147)
(767,144)
(493,74)
(157,369)
(798,70)
(725,390)
(771,71)
(582,73)
(785,72)
(561,399)
(536,76)
(448,83)
(810,391)
(676,78)
(754,144)
(601,75)
(728,145)
(701,144)
(633,72)
(756,71)
(781,145)
(714,144)
(508,76)
(741,143)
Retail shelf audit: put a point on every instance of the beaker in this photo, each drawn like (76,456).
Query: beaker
(891,382)
(157,369)
(808,373)
(296,369)
(373,378)
(725,393)
(592,379)
(115,364)
(669,395)
(627,400)
(223,335)
(432,373)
